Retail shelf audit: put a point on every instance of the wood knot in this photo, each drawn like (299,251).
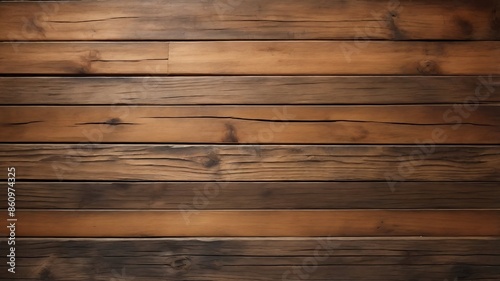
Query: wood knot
(179,263)
(211,160)
(230,134)
(113,122)
(427,67)
(465,26)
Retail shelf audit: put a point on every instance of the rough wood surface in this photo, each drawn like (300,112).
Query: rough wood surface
(257,19)
(252,162)
(149,90)
(252,58)
(218,259)
(257,223)
(255,195)
(252,124)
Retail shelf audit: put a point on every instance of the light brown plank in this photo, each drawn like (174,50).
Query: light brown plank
(253,58)
(257,19)
(84,58)
(266,259)
(255,195)
(327,57)
(294,223)
(248,90)
(252,162)
(252,124)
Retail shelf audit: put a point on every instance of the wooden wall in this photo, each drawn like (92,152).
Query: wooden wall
(217,140)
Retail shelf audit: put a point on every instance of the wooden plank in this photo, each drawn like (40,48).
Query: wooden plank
(258,19)
(252,162)
(265,223)
(248,90)
(84,58)
(251,124)
(335,57)
(255,195)
(253,58)
(219,259)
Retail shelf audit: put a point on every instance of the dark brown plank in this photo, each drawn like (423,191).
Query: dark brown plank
(248,90)
(256,195)
(252,58)
(84,58)
(252,162)
(261,223)
(332,57)
(258,19)
(252,124)
(374,259)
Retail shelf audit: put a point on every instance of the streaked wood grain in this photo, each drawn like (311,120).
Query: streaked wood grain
(257,19)
(252,58)
(252,162)
(219,259)
(334,57)
(251,124)
(255,195)
(267,223)
(149,90)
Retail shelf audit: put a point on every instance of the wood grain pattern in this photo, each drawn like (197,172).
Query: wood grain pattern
(219,259)
(251,124)
(84,58)
(265,223)
(252,162)
(335,57)
(156,90)
(255,195)
(258,19)
(252,58)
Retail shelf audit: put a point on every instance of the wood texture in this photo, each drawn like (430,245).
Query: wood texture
(148,90)
(374,259)
(258,19)
(297,223)
(255,195)
(335,57)
(253,162)
(84,58)
(247,124)
(252,58)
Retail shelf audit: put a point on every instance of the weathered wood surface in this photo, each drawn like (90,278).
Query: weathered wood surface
(253,124)
(252,58)
(255,195)
(252,162)
(149,90)
(257,223)
(216,259)
(257,19)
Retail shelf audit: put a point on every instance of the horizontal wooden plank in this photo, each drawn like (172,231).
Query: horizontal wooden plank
(255,195)
(84,58)
(248,90)
(251,124)
(252,162)
(252,58)
(296,223)
(258,19)
(327,57)
(374,259)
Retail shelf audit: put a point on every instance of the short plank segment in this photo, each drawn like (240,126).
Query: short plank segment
(252,58)
(261,90)
(218,259)
(267,223)
(250,20)
(251,124)
(252,162)
(84,58)
(256,195)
